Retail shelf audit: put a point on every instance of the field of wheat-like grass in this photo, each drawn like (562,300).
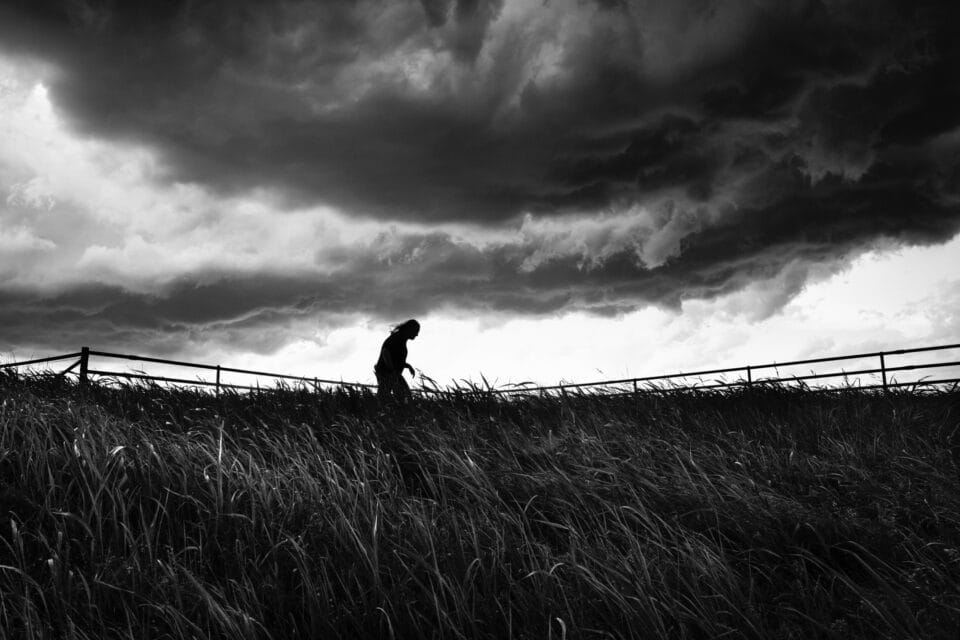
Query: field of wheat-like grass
(139,512)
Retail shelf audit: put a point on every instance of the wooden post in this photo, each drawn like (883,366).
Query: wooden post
(749,376)
(883,370)
(634,387)
(84,365)
(218,381)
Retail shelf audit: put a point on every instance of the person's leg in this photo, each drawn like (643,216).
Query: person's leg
(403,389)
(392,386)
(383,386)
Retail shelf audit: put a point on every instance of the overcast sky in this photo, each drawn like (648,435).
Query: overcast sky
(557,190)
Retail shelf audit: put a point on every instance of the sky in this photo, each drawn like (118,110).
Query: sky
(558,191)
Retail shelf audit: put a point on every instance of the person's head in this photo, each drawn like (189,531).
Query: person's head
(409,329)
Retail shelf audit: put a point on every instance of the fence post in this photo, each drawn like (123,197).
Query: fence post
(634,387)
(84,364)
(883,370)
(749,376)
(218,381)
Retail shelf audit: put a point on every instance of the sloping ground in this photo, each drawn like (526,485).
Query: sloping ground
(773,513)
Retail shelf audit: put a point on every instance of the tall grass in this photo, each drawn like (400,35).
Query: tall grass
(140,512)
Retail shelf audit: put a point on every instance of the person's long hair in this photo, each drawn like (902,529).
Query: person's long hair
(411,323)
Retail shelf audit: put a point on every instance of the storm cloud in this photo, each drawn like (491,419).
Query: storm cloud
(571,155)
(605,266)
(462,112)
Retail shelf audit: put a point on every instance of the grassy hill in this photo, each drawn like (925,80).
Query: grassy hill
(766,513)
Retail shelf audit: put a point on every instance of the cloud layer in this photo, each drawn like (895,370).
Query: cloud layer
(514,157)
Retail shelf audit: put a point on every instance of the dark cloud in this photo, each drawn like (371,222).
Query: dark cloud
(759,136)
(404,274)
(640,101)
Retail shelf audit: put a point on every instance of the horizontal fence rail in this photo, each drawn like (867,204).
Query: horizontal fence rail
(23,363)
(747,375)
(219,369)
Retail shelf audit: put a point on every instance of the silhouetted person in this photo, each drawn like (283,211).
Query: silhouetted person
(393,360)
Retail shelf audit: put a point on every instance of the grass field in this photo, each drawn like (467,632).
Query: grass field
(139,512)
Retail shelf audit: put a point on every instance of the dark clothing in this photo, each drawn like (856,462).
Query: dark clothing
(392,385)
(390,366)
(393,355)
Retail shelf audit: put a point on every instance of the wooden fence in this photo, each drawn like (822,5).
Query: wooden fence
(86,373)
(747,375)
